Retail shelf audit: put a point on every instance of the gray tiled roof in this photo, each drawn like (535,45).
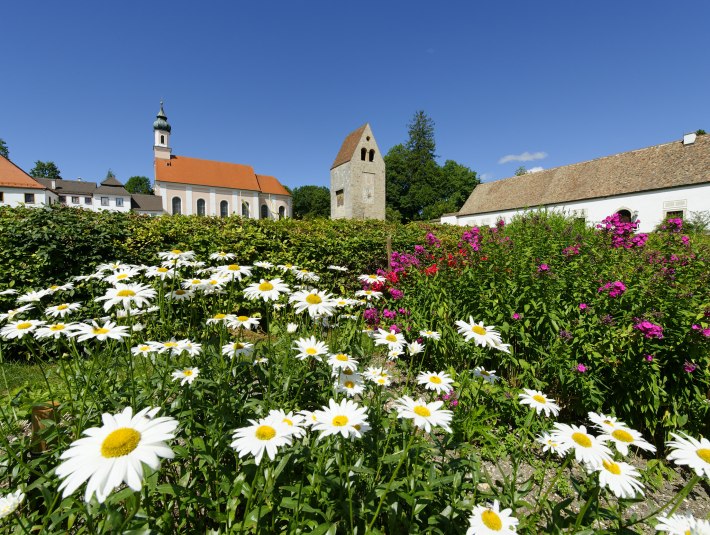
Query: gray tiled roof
(69,187)
(151,203)
(659,167)
(112,190)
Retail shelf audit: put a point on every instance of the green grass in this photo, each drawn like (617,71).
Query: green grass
(14,375)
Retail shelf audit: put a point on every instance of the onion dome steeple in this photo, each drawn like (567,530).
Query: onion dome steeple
(161,120)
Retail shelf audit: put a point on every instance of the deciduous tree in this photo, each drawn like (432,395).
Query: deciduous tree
(139,184)
(310,202)
(45,170)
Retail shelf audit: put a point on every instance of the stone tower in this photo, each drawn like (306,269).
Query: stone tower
(357,178)
(161,130)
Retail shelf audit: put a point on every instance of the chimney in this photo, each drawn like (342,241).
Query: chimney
(689,139)
(54,184)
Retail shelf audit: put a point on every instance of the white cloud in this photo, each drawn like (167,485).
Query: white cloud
(524,157)
(536,169)
(485,177)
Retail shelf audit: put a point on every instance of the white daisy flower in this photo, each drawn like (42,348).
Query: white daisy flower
(59,311)
(181,295)
(84,331)
(484,336)
(193,284)
(245,322)
(691,452)
(186,375)
(260,360)
(265,435)
(171,346)
(191,348)
(160,272)
(128,296)
(371,279)
(145,349)
(439,382)
(316,302)
(587,448)
(539,401)
(432,335)
(620,478)
(505,348)
(349,384)
(377,375)
(55,330)
(394,354)
(10,502)
(346,418)
(221,255)
(234,271)
(305,275)
(10,314)
(9,291)
(550,444)
(425,415)
(414,348)
(220,318)
(391,339)
(60,287)
(490,520)
(113,266)
(177,254)
(263,264)
(33,297)
(295,422)
(214,285)
(342,361)
(605,423)
(20,328)
(678,524)
(487,375)
(268,290)
(115,453)
(291,328)
(286,267)
(309,348)
(625,437)
(369,294)
(234,349)
(337,268)
(122,276)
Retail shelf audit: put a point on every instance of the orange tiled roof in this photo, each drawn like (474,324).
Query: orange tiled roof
(270,184)
(185,170)
(14,177)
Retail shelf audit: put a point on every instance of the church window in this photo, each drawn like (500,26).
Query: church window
(624,216)
(340,197)
(162,139)
(200,207)
(75,200)
(223,209)
(363,154)
(177,205)
(282,212)
(245,209)
(264,211)
(119,201)
(372,155)
(29,198)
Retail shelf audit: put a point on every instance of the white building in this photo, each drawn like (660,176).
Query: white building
(648,185)
(17,188)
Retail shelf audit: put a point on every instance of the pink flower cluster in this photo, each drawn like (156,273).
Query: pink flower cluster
(623,234)
(572,250)
(674,225)
(699,329)
(473,238)
(614,289)
(649,330)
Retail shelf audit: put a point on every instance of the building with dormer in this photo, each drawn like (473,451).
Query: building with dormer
(192,186)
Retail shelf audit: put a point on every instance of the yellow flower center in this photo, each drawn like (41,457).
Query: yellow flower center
(242,318)
(381,380)
(491,520)
(340,421)
(435,379)
(368,292)
(341,357)
(120,442)
(349,384)
(238,345)
(187,373)
(481,331)
(162,270)
(144,348)
(704,454)
(582,439)
(622,435)
(311,351)
(288,422)
(266,286)
(233,267)
(57,327)
(607,422)
(347,371)
(391,338)
(196,281)
(313,299)
(100,330)
(180,292)
(357,427)
(485,373)
(612,467)
(421,410)
(62,307)
(170,344)
(214,282)
(125,293)
(176,251)
(24,325)
(219,316)
(54,287)
(539,399)
(265,432)
(122,276)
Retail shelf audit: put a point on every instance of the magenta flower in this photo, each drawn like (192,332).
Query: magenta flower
(613,289)
(515,316)
(581,368)
(583,306)
(543,268)
(649,330)
(689,367)
(649,358)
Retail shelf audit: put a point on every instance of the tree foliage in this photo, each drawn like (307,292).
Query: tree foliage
(417,186)
(139,184)
(310,202)
(520,171)
(45,170)
(4,151)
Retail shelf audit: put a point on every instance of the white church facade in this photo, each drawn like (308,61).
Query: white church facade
(648,185)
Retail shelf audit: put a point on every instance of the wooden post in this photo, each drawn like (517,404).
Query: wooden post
(48,411)
(389,252)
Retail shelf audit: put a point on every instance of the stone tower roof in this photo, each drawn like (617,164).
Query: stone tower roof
(347,149)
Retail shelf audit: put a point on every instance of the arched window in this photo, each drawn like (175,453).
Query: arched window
(177,203)
(282,212)
(245,209)
(162,139)
(223,209)
(372,155)
(363,154)
(624,216)
(264,211)
(200,207)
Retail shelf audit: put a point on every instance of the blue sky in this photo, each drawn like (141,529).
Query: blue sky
(278,85)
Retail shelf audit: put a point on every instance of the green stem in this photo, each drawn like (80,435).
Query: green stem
(679,497)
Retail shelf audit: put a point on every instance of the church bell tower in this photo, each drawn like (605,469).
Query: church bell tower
(161,131)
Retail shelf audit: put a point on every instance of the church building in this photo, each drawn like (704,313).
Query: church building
(193,186)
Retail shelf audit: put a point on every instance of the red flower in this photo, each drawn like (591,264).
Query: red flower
(431,270)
